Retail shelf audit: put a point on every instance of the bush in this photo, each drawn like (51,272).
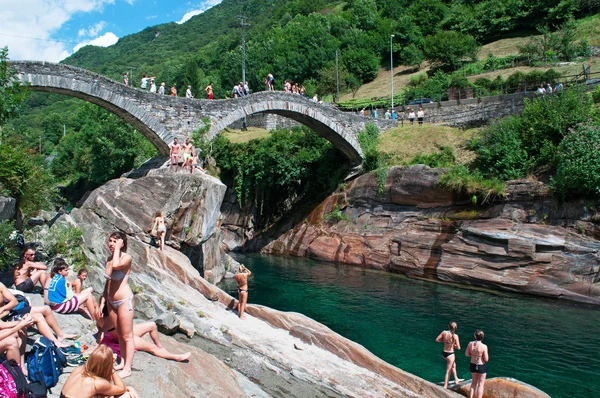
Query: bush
(578,170)
(596,95)
(368,140)
(500,151)
(450,48)
(446,157)
(461,179)
(68,242)
(335,215)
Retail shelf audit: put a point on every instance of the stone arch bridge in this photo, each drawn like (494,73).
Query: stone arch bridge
(161,118)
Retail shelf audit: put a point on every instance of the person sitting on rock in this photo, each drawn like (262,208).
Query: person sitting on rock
(28,272)
(242,280)
(61,298)
(11,311)
(111,339)
(13,340)
(97,378)
(77,284)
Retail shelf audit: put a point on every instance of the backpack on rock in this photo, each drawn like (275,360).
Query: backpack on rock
(45,362)
(14,385)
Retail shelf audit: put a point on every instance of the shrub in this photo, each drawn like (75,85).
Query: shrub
(68,243)
(335,215)
(578,170)
(417,79)
(596,95)
(446,157)
(368,140)
(500,151)
(461,179)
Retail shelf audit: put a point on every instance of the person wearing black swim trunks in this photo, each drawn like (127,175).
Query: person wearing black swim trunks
(27,273)
(479,358)
(242,280)
(451,341)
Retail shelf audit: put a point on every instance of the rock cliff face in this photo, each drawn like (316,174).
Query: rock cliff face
(527,243)
(284,354)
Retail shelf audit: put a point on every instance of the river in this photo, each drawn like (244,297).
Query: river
(550,344)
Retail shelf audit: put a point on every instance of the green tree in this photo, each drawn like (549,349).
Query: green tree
(12,92)
(362,63)
(427,14)
(449,48)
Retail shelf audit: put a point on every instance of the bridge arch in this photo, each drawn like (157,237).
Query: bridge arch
(162,118)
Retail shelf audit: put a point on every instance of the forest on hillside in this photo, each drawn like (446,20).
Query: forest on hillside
(297,40)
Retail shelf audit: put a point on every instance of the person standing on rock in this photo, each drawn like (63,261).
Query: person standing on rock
(161,89)
(161,229)
(174,90)
(97,378)
(118,297)
(175,148)
(27,273)
(451,341)
(479,358)
(126,79)
(242,280)
(188,92)
(188,148)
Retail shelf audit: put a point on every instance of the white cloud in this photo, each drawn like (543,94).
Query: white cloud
(40,19)
(93,30)
(107,39)
(188,15)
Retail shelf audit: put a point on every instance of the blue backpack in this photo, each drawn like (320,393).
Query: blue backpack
(45,362)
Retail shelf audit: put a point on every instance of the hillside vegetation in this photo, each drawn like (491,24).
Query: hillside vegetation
(297,40)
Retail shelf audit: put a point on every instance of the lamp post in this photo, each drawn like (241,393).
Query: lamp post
(392,69)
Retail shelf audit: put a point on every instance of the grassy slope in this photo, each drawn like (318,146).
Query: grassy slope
(588,29)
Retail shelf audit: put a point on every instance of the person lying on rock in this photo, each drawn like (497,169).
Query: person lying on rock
(111,339)
(61,298)
(242,280)
(97,378)
(28,272)
(11,311)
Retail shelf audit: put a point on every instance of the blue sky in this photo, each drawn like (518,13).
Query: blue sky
(51,30)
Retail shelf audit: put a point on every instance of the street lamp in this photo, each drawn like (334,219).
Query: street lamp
(392,69)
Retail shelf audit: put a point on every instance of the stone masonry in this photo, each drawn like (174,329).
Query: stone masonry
(163,118)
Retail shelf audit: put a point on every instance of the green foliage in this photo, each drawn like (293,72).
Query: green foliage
(368,140)
(288,164)
(449,48)
(362,63)
(596,95)
(336,215)
(99,148)
(68,242)
(8,250)
(578,170)
(513,147)
(446,157)
(25,178)
(12,93)
(472,182)
(552,46)
(435,87)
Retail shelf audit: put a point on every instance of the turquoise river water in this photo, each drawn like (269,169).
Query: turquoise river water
(550,344)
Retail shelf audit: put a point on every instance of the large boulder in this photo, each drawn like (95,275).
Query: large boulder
(8,208)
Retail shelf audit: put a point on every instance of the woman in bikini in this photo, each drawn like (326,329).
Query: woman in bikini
(451,341)
(161,229)
(479,358)
(97,378)
(118,297)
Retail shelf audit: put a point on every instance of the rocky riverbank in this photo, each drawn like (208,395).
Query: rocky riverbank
(270,354)
(527,243)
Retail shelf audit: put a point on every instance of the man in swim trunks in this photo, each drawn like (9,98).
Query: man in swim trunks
(175,148)
(242,280)
(27,273)
(188,148)
(209,90)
